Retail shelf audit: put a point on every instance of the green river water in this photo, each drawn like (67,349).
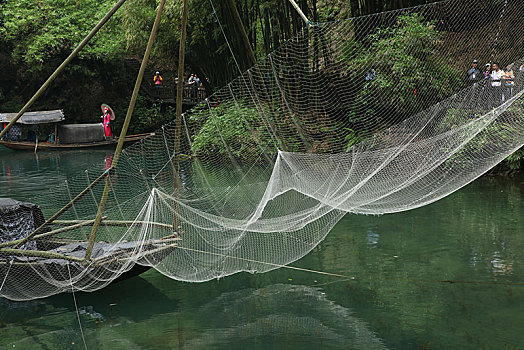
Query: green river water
(446,276)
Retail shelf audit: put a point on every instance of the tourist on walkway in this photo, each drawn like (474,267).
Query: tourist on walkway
(473,74)
(496,84)
(508,78)
(157,79)
(487,71)
(192,82)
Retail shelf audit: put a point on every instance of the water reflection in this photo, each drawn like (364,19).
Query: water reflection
(26,174)
(275,316)
(280,316)
(372,237)
(472,240)
(501,266)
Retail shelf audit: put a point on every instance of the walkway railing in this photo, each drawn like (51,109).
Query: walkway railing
(167,92)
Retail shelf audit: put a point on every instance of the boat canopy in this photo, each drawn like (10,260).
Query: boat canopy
(37,117)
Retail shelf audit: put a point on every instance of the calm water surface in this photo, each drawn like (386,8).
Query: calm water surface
(446,276)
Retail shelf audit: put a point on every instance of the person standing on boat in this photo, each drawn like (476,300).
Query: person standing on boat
(106,120)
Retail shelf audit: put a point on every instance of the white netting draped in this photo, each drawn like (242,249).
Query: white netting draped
(369,115)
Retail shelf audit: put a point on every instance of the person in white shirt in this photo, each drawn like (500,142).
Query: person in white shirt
(496,75)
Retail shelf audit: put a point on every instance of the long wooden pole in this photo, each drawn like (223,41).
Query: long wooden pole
(123,133)
(243,34)
(178,125)
(40,254)
(50,233)
(62,66)
(58,213)
(299,10)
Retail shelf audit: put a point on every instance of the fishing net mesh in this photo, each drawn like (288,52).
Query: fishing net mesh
(370,115)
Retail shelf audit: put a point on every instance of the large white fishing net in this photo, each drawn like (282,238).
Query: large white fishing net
(369,115)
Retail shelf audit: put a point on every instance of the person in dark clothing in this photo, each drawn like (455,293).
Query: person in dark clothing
(473,74)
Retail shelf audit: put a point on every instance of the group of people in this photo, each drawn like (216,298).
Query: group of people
(502,80)
(192,81)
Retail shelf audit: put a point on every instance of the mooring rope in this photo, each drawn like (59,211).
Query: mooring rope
(76,307)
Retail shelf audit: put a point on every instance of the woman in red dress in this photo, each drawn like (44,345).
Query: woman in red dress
(106,119)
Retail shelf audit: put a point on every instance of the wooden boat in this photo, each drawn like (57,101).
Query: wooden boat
(65,137)
(52,146)
(48,257)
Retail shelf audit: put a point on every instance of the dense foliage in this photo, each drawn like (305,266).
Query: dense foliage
(40,31)
(405,58)
(229,130)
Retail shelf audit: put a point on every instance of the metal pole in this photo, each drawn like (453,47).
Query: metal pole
(176,158)
(62,66)
(123,133)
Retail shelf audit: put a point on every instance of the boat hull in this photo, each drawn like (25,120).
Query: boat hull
(48,146)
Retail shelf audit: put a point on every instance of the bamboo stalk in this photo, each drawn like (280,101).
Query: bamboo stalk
(39,254)
(114,223)
(62,66)
(243,34)
(178,126)
(299,10)
(123,133)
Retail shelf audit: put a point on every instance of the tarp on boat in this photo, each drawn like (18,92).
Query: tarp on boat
(81,133)
(37,117)
(18,220)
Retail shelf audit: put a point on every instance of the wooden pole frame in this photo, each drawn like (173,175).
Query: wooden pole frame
(123,133)
(243,33)
(58,213)
(178,125)
(299,10)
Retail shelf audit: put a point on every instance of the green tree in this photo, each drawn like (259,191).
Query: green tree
(229,130)
(411,72)
(41,30)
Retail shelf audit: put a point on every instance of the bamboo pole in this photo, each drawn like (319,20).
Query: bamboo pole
(299,10)
(123,133)
(97,262)
(178,126)
(61,211)
(40,254)
(243,34)
(62,66)
(114,223)
(18,242)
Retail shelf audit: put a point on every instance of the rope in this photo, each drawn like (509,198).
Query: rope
(495,42)
(7,273)
(268,263)
(225,37)
(76,307)
(351,278)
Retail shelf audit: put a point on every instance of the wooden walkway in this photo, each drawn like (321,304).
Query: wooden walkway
(167,91)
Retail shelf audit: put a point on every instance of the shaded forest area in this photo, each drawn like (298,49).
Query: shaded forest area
(37,35)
